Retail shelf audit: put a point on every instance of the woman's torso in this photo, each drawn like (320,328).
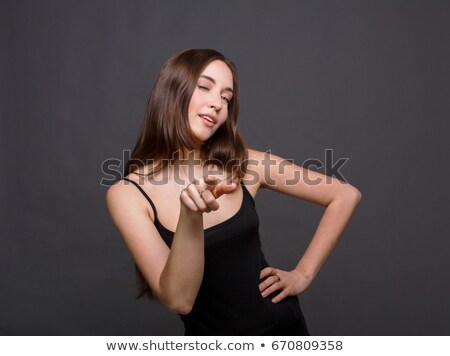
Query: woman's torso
(165,190)
(229,301)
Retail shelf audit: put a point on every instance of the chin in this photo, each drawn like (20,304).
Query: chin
(203,137)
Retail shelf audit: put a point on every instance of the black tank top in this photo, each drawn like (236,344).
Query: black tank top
(229,301)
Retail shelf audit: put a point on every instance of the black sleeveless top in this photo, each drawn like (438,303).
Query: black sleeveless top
(229,301)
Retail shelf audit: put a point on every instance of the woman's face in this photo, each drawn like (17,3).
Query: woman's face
(208,108)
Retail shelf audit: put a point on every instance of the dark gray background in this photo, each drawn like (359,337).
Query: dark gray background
(368,79)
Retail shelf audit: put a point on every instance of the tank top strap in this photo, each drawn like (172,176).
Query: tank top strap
(145,195)
(247,193)
(244,188)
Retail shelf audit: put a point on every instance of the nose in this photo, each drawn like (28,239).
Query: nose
(215,101)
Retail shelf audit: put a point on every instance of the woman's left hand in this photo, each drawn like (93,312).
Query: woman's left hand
(288,283)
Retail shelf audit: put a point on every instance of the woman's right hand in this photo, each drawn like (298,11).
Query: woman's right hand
(201,195)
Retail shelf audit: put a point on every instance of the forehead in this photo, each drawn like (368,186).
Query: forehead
(220,72)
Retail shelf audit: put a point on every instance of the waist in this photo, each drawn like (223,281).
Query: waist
(259,318)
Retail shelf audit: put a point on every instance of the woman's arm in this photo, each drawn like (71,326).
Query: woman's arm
(183,273)
(340,200)
(174,274)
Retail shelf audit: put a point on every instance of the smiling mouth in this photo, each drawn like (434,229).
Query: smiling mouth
(207,120)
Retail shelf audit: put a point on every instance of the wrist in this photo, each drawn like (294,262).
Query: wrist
(305,273)
(185,210)
(190,216)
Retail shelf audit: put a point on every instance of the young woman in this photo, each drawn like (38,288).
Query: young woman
(186,211)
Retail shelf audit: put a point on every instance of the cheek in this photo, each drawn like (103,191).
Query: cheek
(226,113)
(193,102)
(223,122)
(192,109)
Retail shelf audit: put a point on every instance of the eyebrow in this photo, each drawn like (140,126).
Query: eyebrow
(214,82)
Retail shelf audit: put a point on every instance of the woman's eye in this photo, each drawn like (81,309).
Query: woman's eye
(202,87)
(224,98)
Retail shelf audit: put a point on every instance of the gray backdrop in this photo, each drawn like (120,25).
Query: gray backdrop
(367,79)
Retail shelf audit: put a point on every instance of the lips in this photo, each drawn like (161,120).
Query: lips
(209,120)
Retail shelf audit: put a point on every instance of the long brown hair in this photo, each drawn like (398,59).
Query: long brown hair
(165,131)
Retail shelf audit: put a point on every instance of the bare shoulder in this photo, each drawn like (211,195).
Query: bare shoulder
(129,213)
(125,196)
(254,154)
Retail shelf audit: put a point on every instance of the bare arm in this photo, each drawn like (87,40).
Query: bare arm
(340,200)
(183,272)
(175,274)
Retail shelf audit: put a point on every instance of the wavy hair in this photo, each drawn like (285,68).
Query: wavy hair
(165,131)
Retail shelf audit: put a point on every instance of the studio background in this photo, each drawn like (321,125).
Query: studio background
(367,79)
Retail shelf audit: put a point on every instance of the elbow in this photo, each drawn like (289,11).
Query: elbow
(184,310)
(176,300)
(180,308)
(351,195)
(178,305)
(355,196)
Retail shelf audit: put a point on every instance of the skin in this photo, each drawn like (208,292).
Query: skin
(210,98)
(175,274)
(338,199)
